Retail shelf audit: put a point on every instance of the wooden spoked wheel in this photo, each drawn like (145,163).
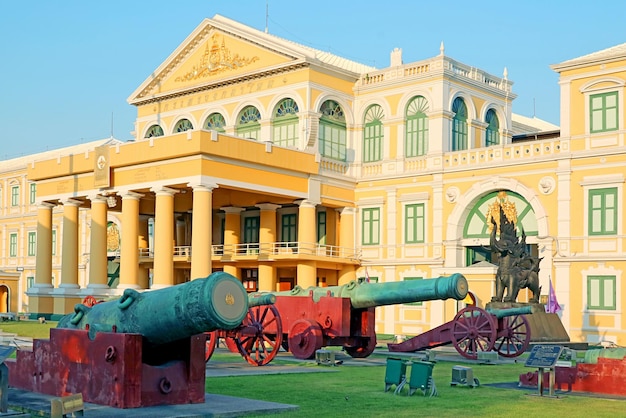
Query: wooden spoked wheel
(231,344)
(513,336)
(211,343)
(260,335)
(472,330)
(305,338)
(365,347)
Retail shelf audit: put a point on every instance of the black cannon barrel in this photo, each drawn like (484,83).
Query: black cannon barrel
(367,295)
(218,301)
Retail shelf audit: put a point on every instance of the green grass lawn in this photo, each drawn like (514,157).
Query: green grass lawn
(348,391)
(32,329)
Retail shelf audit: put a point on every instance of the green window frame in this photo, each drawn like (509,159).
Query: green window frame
(373,134)
(492,134)
(416,127)
(601,293)
(603,211)
(459,125)
(603,112)
(407,279)
(183,125)
(333,141)
(285,124)
(215,122)
(15,196)
(13,244)
(154,131)
(30,282)
(251,228)
(33,193)
(32,244)
(321,228)
(289,229)
(414,223)
(248,125)
(370,226)
(54,242)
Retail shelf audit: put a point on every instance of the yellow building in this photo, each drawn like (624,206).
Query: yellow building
(285,165)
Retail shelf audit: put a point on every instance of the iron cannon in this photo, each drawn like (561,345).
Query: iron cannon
(344,315)
(143,349)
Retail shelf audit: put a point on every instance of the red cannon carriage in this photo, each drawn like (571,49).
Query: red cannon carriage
(474,329)
(344,315)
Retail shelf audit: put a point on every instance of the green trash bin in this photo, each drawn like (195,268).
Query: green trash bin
(395,373)
(421,378)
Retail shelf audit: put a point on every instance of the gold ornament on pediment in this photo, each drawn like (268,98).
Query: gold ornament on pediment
(217,58)
(493,211)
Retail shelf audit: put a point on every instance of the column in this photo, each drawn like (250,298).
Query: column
(347,244)
(307,240)
(267,238)
(163,273)
(202,231)
(232,233)
(43,267)
(98,271)
(143,275)
(129,254)
(69,256)
(306,274)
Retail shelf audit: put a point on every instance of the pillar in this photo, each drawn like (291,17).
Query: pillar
(69,256)
(163,274)
(202,231)
(267,238)
(129,254)
(347,247)
(143,274)
(307,240)
(39,299)
(306,274)
(232,233)
(98,270)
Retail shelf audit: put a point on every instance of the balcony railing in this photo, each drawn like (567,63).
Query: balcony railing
(266,249)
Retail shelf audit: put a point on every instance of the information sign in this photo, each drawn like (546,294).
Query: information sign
(544,356)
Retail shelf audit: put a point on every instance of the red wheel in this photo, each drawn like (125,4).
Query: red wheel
(211,342)
(473,330)
(231,344)
(365,347)
(305,337)
(513,337)
(261,335)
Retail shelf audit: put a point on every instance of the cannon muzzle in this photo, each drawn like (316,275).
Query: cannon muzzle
(367,295)
(259,299)
(218,301)
(503,313)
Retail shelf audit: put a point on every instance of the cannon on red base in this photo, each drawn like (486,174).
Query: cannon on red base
(344,315)
(474,329)
(140,350)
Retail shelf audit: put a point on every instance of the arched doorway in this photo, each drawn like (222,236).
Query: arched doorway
(4,298)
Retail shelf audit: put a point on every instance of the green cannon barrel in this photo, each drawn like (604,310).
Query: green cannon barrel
(503,313)
(165,315)
(367,295)
(258,299)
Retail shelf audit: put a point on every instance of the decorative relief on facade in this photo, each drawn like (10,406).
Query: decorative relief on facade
(452,194)
(113,237)
(546,185)
(216,59)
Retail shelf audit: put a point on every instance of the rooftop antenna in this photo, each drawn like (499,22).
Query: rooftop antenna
(267,14)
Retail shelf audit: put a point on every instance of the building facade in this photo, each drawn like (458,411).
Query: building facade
(284,165)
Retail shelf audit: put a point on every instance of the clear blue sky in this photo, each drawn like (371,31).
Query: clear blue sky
(68,66)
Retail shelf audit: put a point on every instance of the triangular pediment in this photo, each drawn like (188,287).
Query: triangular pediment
(220,51)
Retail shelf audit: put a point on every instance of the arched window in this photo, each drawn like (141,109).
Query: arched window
(248,125)
(215,122)
(416,130)
(373,134)
(285,124)
(492,136)
(154,130)
(183,125)
(332,135)
(459,125)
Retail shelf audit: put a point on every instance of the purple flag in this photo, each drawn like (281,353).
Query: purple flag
(553,305)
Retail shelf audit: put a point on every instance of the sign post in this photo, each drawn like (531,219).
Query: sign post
(542,357)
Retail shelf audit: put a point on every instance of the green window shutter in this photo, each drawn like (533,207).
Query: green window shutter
(248,125)
(601,293)
(373,134)
(371,226)
(13,245)
(414,223)
(32,243)
(33,193)
(285,124)
(332,131)
(321,228)
(459,125)
(603,211)
(416,128)
(492,135)
(216,122)
(604,112)
(289,228)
